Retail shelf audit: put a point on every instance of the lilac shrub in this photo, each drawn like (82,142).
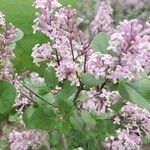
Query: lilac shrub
(72,58)
(94,93)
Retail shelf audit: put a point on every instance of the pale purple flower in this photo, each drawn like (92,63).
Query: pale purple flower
(41,53)
(24,97)
(27,139)
(67,70)
(46,4)
(117,120)
(132,49)
(35,78)
(103,19)
(135,122)
(95,65)
(100,102)
(125,36)
(125,141)
(137,114)
(7,37)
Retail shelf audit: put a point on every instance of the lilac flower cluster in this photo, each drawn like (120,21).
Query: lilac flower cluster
(7,38)
(69,46)
(103,19)
(69,49)
(135,122)
(100,103)
(27,139)
(128,43)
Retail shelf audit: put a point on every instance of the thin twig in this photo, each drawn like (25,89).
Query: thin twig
(37,95)
(64,143)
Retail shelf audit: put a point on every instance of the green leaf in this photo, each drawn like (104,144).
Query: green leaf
(63,98)
(142,86)
(19,34)
(13,118)
(27,117)
(4,144)
(43,148)
(43,118)
(100,43)
(66,91)
(76,121)
(133,92)
(50,77)
(65,105)
(106,127)
(43,90)
(90,81)
(65,124)
(117,106)
(105,116)
(49,97)
(7,96)
(87,118)
(11,46)
(54,138)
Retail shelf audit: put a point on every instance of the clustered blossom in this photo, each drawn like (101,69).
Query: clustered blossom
(27,139)
(126,140)
(100,103)
(68,47)
(103,19)
(41,53)
(135,122)
(126,36)
(128,43)
(23,96)
(68,69)
(98,64)
(7,38)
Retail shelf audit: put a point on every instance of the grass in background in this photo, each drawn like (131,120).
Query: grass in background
(21,14)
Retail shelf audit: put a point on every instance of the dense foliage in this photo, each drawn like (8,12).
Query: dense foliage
(95,90)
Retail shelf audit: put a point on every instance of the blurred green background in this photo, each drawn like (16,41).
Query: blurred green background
(21,14)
